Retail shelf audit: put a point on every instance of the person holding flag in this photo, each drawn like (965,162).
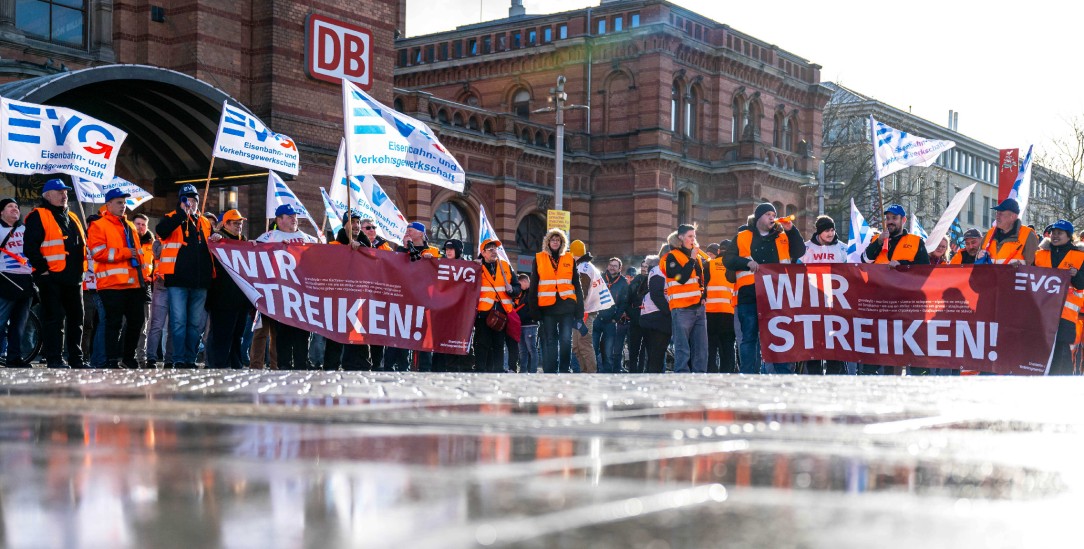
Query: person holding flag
(17,286)
(1009,241)
(113,242)
(55,245)
(187,269)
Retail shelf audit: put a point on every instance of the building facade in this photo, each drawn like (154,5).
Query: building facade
(161,71)
(689,121)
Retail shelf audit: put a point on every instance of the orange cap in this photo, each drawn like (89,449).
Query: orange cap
(232,215)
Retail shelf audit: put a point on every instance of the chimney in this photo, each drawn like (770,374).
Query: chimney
(517,9)
(956,121)
(949,125)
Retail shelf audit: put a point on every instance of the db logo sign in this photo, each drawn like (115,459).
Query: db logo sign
(335,51)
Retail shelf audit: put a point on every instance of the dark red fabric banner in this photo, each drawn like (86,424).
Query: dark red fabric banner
(994,318)
(1008,167)
(360,296)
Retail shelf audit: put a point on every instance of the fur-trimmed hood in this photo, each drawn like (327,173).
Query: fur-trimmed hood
(560,233)
(1045,245)
(674,241)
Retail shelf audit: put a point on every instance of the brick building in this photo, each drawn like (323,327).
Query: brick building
(161,70)
(690,121)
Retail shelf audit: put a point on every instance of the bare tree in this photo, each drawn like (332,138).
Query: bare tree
(1056,181)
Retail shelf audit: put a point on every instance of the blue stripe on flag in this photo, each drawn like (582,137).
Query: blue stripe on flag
(369,130)
(362,111)
(291,195)
(231,131)
(24,123)
(23,138)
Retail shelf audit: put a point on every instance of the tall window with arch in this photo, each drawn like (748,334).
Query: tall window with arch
(529,234)
(675,106)
(741,118)
(450,221)
(685,207)
(521,104)
(691,114)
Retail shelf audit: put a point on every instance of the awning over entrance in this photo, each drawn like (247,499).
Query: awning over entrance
(171,118)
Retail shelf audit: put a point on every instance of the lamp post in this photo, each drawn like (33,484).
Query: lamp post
(557,98)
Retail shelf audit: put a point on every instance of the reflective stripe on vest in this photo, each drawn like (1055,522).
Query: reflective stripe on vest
(682,294)
(52,246)
(720,290)
(1010,250)
(1074,299)
(172,246)
(553,283)
(113,273)
(905,250)
(744,241)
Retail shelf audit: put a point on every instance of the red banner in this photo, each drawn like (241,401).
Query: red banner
(360,296)
(1008,167)
(994,318)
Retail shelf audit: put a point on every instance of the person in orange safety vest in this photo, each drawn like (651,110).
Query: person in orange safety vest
(1061,252)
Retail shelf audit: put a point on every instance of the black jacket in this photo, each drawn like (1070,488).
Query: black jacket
(224,294)
(194,268)
(619,290)
(637,291)
(762,250)
(523,308)
(875,247)
(1057,254)
(660,320)
(74,244)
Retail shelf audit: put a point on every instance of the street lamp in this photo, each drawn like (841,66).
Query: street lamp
(557,98)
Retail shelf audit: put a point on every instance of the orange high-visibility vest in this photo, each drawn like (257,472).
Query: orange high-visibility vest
(1074,299)
(905,250)
(493,288)
(108,245)
(720,290)
(682,294)
(172,246)
(744,241)
(52,247)
(1009,250)
(553,282)
(148,260)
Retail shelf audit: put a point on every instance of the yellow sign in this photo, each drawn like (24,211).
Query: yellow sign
(559,219)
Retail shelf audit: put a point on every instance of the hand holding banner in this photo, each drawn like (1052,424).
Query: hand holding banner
(46,139)
(244,138)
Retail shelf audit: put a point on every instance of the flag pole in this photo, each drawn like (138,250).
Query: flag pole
(207,186)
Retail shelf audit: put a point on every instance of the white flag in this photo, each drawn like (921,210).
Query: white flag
(486,232)
(278,194)
(948,217)
(244,138)
(860,235)
(917,230)
(381,141)
(894,150)
(334,216)
(46,139)
(94,192)
(1021,189)
(369,200)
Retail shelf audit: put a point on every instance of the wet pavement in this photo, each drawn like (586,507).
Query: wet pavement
(312,459)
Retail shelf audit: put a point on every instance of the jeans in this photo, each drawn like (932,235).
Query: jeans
(690,339)
(16,311)
(317,344)
(750,344)
(528,349)
(187,317)
(608,344)
(97,342)
(556,339)
(159,338)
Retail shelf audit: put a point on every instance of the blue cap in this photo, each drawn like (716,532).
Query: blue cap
(1060,224)
(1010,205)
(115,193)
(188,190)
(896,209)
(285,209)
(417,226)
(55,185)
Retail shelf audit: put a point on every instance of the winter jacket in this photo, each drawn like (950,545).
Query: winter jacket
(619,290)
(637,291)
(194,267)
(762,250)
(224,293)
(1057,254)
(74,245)
(875,247)
(833,252)
(660,320)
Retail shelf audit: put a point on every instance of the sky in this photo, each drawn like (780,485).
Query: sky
(1011,69)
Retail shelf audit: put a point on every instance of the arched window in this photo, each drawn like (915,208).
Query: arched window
(473,123)
(783,136)
(529,234)
(675,106)
(685,207)
(521,104)
(741,118)
(442,116)
(457,119)
(397,104)
(539,139)
(449,221)
(691,114)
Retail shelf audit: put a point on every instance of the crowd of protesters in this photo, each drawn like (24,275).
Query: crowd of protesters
(117,295)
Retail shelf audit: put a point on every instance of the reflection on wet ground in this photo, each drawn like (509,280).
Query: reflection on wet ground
(269,459)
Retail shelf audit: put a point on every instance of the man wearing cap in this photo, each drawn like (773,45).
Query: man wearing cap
(1060,252)
(55,245)
(415,244)
(969,253)
(1009,242)
(292,343)
(903,248)
(16,284)
(762,241)
(187,268)
(229,310)
(113,242)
